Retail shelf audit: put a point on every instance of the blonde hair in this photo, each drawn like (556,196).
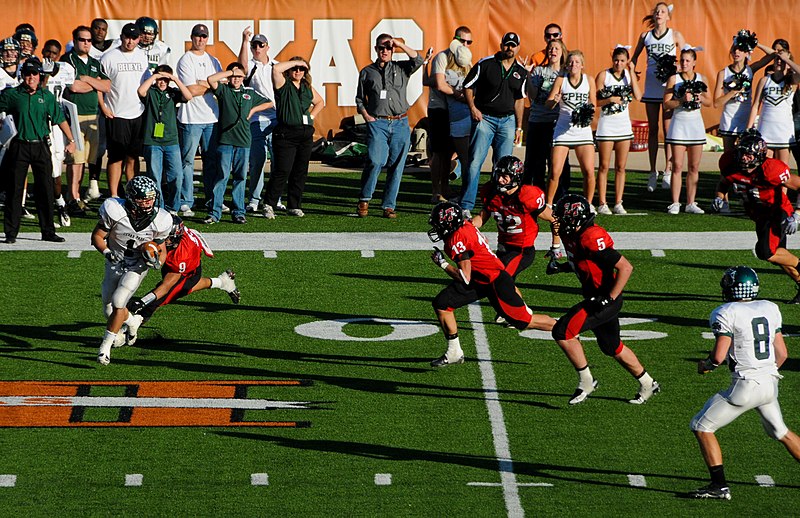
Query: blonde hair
(564,53)
(650,19)
(577,53)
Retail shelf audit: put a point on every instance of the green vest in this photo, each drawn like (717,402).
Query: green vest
(234,107)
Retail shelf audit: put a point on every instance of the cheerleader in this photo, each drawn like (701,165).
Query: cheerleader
(686,92)
(659,42)
(616,88)
(773,101)
(574,94)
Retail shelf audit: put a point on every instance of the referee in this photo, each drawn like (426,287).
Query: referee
(34,109)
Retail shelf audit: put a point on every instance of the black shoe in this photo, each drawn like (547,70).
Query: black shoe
(53,238)
(10,240)
(442,361)
(76,208)
(713,491)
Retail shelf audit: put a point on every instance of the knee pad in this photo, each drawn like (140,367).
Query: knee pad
(560,330)
(610,350)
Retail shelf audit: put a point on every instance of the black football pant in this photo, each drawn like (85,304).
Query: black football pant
(19,157)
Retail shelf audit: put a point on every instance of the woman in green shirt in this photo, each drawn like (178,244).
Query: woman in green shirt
(297,103)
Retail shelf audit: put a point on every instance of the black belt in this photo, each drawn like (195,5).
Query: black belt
(29,141)
(392,117)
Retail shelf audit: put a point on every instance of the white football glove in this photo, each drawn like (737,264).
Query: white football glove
(113,256)
(438,258)
(790,224)
(556,252)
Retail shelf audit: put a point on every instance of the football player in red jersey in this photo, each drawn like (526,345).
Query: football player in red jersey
(603,273)
(478,273)
(761,182)
(181,275)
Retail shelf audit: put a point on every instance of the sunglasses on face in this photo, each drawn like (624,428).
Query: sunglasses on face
(200,36)
(298,69)
(383,47)
(259,44)
(465,42)
(84,40)
(28,74)
(551,35)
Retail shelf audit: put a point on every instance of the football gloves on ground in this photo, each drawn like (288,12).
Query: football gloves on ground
(717,204)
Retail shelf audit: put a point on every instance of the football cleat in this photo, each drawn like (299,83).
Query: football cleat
(645,394)
(63,217)
(442,361)
(119,341)
(132,331)
(26,214)
(229,286)
(713,491)
(581,394)
(103,359)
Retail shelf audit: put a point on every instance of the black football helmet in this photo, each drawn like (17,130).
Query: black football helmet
(751,149)
(573,213)
(446,218)
(176,233)
(142,201)
(147,28)
(511,166)
(739,283)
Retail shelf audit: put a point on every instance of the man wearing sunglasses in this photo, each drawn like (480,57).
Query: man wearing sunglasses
(381,99)
(495,93)
(551,32)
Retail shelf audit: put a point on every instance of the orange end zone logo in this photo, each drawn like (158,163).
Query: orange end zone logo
(25,404)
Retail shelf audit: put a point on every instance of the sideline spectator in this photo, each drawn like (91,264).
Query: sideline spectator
(552,32)
(99,46)
(157,51)
(459,116)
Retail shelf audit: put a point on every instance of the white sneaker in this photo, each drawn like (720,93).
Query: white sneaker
(582,393)
(187,211)
(228,284)
(225,209)
(692,208)
(619,209)
(645,393)
(296,212)
(280,205)
(652,181)
(133,329)
(252,206)
(26,214)
(603,209)
(592,209)
(269,212)
(92,193)
(674,208)
(666,180)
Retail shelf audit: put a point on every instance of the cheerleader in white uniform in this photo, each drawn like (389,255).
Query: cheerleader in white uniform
(687,133)
(659,41)
(570,92)
(614,132)
(773,100)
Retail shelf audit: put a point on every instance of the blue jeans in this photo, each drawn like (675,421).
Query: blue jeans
(260,150)
(497,132)
(166,160)
(387,144)
(232,163)
(207,136)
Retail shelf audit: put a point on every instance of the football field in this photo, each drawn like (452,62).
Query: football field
(314,396)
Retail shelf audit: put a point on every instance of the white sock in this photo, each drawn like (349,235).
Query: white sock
(60,201)
(645,380)
(216,283)
(454,351)
(585,376)
(93,184)
(108,341)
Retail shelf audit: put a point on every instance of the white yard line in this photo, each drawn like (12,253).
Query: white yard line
(502,451)
(134,480)
(8,480)
(637,481)
(765,481)
(259,479)
(383,479)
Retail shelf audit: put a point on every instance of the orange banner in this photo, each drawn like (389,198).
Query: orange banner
(337,36)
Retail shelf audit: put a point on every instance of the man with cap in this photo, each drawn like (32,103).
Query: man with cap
(197,119)
(381,99)
(495,93)
(126,66)
(32,107)
(258,70)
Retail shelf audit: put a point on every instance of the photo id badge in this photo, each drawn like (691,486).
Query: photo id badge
(383,94)
(305,120)
(158,130)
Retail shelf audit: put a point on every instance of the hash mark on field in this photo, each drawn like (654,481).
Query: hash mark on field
(8,480)
(270,254)
(521,484)
(637,481)
(765,481)
(368,254)
(657,253)
(383,479)
(259,479)
(134,479)
(74,254)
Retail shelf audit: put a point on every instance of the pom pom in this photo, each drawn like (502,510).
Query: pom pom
(745,40)
(665,67)
(624,92)
(582,115)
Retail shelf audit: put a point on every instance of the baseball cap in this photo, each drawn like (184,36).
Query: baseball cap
(260,38)
(199,30)
(510,37)
(31,66)
(130,30)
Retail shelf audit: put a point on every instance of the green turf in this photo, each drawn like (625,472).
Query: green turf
(378,407)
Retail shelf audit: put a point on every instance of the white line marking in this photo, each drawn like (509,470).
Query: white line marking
(383,479)
(521,484)
(8,480)
(270,254)
(657,253)
(637,480)
(368,254)
(765,481)
(74,254)
(151,402)
(134,480)
(502,451)
(259,479)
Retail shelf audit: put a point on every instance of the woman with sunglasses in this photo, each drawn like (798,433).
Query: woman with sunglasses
(297,103)
(660,42)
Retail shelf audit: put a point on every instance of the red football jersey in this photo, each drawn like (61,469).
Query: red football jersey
(597,278)
(515,214)
(185,259)
(468,243)
(762,190)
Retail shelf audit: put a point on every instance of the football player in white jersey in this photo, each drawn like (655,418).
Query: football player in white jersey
(124,226)
(57,76)
(748,334)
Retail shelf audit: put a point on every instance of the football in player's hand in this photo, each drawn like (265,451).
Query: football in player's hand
(151,253)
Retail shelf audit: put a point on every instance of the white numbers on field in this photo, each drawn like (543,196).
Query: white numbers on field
(334,330)
(624,334)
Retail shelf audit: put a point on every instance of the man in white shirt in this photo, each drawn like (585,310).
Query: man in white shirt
(258,70)
(126,66)
(197,119)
